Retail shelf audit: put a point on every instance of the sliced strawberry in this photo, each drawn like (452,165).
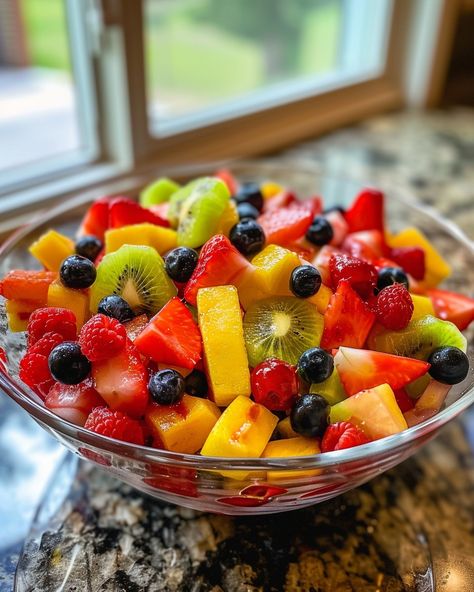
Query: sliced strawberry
(219,264)
(302,248)
(321,262)
(347,320)
(315,203)
(405,402)
(172,336)
(366,244)
(136,326)
(124,211)
(367,211)
(412,259)
(161,210)
(278,201)
(122,381)
(453,307)
(73,402)
(361,369)
(229,179)
(287,224)
(96,219)
(359,273)
(32,286)
(339,226)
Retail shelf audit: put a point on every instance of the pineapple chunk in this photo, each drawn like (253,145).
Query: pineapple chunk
(160,238)
(321,298)
(243,430)
(270,189)
(285,430)
(75,300)
(422,307)
(274,265)
(51,249)
(298,446)
(220,322)
(229,218)
(18,313)
(183,427)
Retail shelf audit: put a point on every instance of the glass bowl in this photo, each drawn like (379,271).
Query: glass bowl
(232,485)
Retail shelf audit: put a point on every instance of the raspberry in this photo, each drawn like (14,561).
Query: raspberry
(342,435)
(115,424)
(46,344)
(51,320)
(102,337)
(394,307)
(274,384)
(34,371)
(360,274)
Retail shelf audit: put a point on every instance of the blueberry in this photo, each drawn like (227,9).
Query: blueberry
(315,365)
(196,384)
(166,387)
(305,281)
(116,307)
(247,210)
(247,236)
(89,247)
(339,209)
(449,365)
(251,193)
(320,232)
(68,364)
(310,415)
(180,263)
(391,275)
(77,272)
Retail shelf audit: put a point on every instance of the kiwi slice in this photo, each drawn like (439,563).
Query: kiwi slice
(281,327)
(158,192)
(137,274)
(331,389)
(419,338)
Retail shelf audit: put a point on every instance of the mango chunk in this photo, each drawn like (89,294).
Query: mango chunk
(18,313)
(229,218)
(183,427)
(51,249)
(298,446)
(285,430)
(75,300)
(270,189)
(160,238)
(422,306)
(321,298)
(220,322)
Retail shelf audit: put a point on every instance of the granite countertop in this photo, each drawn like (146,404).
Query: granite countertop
(410,529)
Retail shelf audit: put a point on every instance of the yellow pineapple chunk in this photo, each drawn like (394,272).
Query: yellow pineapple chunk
(160,238)
(422,307)
(229,218)
(321,298)
(220,322)
(18,312)
(75,300)
(51,249)
(243,430)
(183,427)
(298,446)
(270,189)
(274,266)
(285,430)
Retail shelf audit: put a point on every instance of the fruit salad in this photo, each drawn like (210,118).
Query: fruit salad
(232,319)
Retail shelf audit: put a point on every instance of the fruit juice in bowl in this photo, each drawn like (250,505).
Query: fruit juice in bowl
(242,342)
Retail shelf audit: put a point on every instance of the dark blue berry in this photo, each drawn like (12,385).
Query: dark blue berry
(251,193)
(310,416)
(449,365)
(247,236)
(88,247)
(391,275)
(180,263)
(68,364)
(166,387)
(77,272)
(315,365)
(196,384)
(320,232)
(247,210)
(116,307)
(305,281)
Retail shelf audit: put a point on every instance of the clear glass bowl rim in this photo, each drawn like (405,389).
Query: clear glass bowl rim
(27,400)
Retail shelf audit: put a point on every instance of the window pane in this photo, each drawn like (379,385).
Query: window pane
(39,117)
(212,59)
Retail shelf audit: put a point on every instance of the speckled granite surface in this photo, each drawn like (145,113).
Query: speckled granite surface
(411,529)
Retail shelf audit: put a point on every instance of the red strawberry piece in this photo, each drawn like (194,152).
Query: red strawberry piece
(115,424)
(136,326)
(412,259)
(102,337)
(287,224)
(172,336)
(32,286)
(73,402)
(321,261)
(124,211)
(367,211)
(303,249)
(274,384)
(122,381)
(219,264)
(96,219)
(229,179)
(394,307)
(366,244)
(161,210)
(453,307)
(51,320)
(361,369)
(360,274)
(278,201)
(341,435)
(405,402)
(382,262)
(347,320)
(3,358)
(339,227)
(315,203)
